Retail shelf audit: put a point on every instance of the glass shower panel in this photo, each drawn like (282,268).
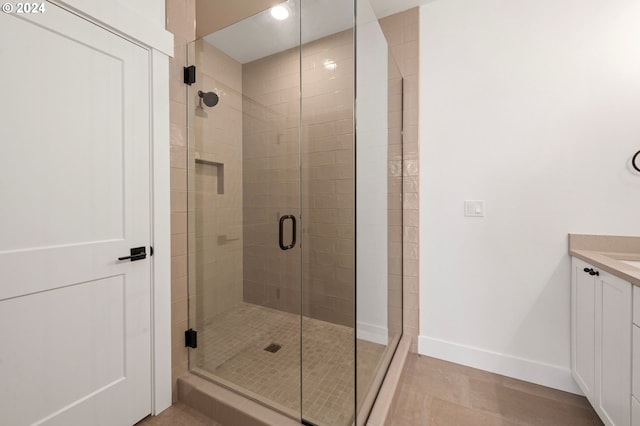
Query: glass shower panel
(378,208)
(244,209)
(327,159)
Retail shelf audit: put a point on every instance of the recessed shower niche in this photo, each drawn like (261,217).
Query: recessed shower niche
(295,212)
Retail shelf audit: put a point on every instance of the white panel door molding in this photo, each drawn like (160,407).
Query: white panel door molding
(75,323)
(126,17)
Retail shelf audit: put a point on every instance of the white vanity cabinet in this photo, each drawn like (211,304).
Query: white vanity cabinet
(583,328)
(601,341)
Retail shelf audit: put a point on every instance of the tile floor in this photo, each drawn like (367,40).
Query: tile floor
(438,393)
(232,348)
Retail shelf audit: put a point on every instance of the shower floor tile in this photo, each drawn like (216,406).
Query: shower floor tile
(232,348)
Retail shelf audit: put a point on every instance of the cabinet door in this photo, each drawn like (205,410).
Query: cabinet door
(635,363)
(615,362)
(635,412)
(583,331)
(636,305)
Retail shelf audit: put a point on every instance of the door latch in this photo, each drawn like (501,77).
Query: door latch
(137,253)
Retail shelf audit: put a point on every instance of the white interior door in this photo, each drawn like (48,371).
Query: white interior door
(74,196)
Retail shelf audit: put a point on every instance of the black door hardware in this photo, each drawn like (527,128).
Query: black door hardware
(591,272)
(191,338)
(634,161)
(190,75)
(137,253)
(281,232)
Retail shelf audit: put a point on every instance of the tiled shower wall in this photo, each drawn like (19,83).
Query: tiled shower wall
(272,153)
(402,31)
(215,174)
(328,178)
(394,199)
(271,179)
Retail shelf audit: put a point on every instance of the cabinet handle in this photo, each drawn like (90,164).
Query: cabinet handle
(591,271)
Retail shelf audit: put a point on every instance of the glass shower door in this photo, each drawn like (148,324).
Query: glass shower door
(244,210)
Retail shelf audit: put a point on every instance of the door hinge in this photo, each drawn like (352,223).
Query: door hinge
(190,75)
(191,338)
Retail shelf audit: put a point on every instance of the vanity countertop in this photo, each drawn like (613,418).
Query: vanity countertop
(613,254)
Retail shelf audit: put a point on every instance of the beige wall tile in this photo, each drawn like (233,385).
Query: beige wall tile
(217,222)
(178,266)
(178,223)
(271,100)
(178,201)
(178,179)
(181,18)
(178,159)
(178,135)
(179,290)
(402,31)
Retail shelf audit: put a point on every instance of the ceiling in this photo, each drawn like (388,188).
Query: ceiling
(213,15)
(260,35)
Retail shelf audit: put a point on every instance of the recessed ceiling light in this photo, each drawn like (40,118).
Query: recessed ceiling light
(280,12)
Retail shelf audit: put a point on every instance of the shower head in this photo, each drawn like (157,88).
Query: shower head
(210,99)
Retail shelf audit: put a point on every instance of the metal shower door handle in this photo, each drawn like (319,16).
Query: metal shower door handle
(281,232)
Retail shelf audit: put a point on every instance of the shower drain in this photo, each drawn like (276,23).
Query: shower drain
(273,348)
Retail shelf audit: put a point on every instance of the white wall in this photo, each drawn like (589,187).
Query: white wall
(149,10)
(153,9)
(533,106)
(371,177)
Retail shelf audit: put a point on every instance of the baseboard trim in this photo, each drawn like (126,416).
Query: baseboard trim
(372,333)
(506,365)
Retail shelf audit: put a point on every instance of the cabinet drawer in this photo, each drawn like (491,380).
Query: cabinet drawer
(635,412)
(636,305)
(635,369)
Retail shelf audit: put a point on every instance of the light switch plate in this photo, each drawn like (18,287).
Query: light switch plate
(474,208)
